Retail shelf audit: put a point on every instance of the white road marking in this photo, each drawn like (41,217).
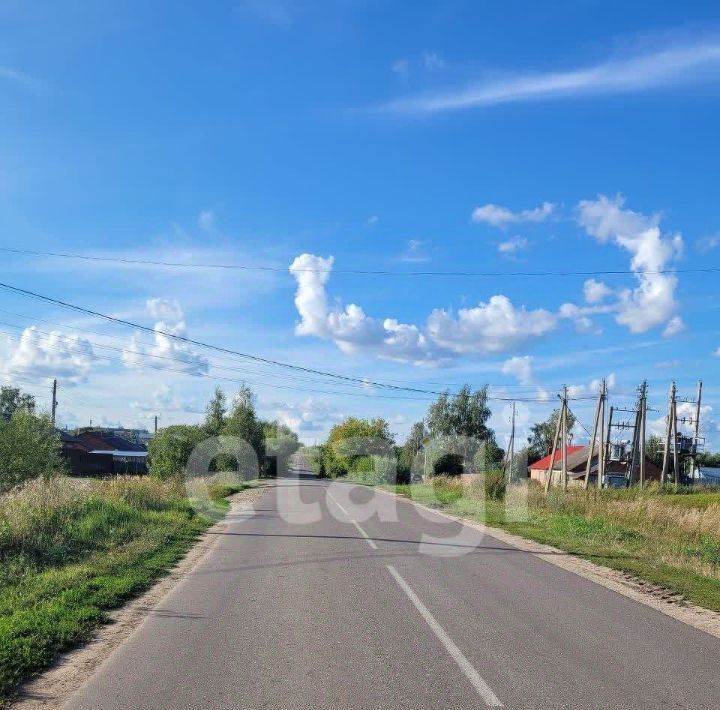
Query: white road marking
(368,539)
(457,655)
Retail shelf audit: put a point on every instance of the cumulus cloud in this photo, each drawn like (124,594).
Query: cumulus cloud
(652,302)
(513,245)
(165,351)
(168,309)
(350,328)
(595,291)
(310,415)
(593,387)
(520,368)
(492,327)
(499,216)
(41,356)
(675,325)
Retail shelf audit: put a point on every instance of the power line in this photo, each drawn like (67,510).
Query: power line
(356,272)
(365,382)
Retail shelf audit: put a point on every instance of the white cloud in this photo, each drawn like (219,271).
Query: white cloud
(433,61)
(519,367)
(675,325)
(206,220)
(401,67)
(665,67)
(166,351)
(168,309)
(493,327)
(373,219)
(20,78)
(41,356)
(708,243)
(652,303)
(310,415)
(513,245)
(593,387)
(350,328)
(499,216)
(414,252)
(595,291)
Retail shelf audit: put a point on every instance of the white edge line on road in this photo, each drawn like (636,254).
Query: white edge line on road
(456,654)
(367,537)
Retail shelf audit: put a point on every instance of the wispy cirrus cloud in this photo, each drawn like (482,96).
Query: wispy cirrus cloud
(21,78)
(664,67)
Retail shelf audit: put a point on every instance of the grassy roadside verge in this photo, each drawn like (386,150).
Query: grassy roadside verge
(69,554)
(668,539)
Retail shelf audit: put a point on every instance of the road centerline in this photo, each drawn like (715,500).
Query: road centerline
(456,654)
(368,539)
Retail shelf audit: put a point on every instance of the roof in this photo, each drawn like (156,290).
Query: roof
(99,442)
(543,463)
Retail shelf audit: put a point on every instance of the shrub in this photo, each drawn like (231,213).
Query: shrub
(29,448)
(448,465)
(494,483)
(170,449)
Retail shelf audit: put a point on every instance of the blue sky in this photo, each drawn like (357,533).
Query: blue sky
(386,136)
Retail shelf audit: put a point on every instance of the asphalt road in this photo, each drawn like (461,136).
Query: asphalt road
(305,603)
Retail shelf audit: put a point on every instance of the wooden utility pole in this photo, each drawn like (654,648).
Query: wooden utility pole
(54,401)
(643,419)
(603,443)
(564,441)
(156,418)
(697,429)
(668,435)
(548,477)
(511,447)
(676,461)
(593,440)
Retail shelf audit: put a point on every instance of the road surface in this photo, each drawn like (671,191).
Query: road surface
(303,603)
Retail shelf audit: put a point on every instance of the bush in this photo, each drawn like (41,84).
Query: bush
(494,483)
(29,448)
(170,449)
(448,465)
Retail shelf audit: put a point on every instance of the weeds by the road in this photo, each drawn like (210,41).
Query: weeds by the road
(667,538)
(70,553)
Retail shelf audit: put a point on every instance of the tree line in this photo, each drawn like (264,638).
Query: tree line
(170,449)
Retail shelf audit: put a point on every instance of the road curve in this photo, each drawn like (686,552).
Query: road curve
(306,602)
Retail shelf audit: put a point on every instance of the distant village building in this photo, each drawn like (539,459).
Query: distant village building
(102,453)
(577,456)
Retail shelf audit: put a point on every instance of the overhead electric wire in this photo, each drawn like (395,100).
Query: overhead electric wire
(356,272)
(365,382)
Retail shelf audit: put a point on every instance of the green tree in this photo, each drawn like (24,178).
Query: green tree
(29,448)
(12,399)
(542,435)
(170,449)
(654,448)
(215,416)
(353,440)
(242,422)
(413,445)
(458,427)
(284,444)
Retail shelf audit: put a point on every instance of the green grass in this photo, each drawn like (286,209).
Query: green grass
(68,556)
(669,539)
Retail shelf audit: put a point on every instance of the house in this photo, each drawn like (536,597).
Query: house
(100,453)
(577,456)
